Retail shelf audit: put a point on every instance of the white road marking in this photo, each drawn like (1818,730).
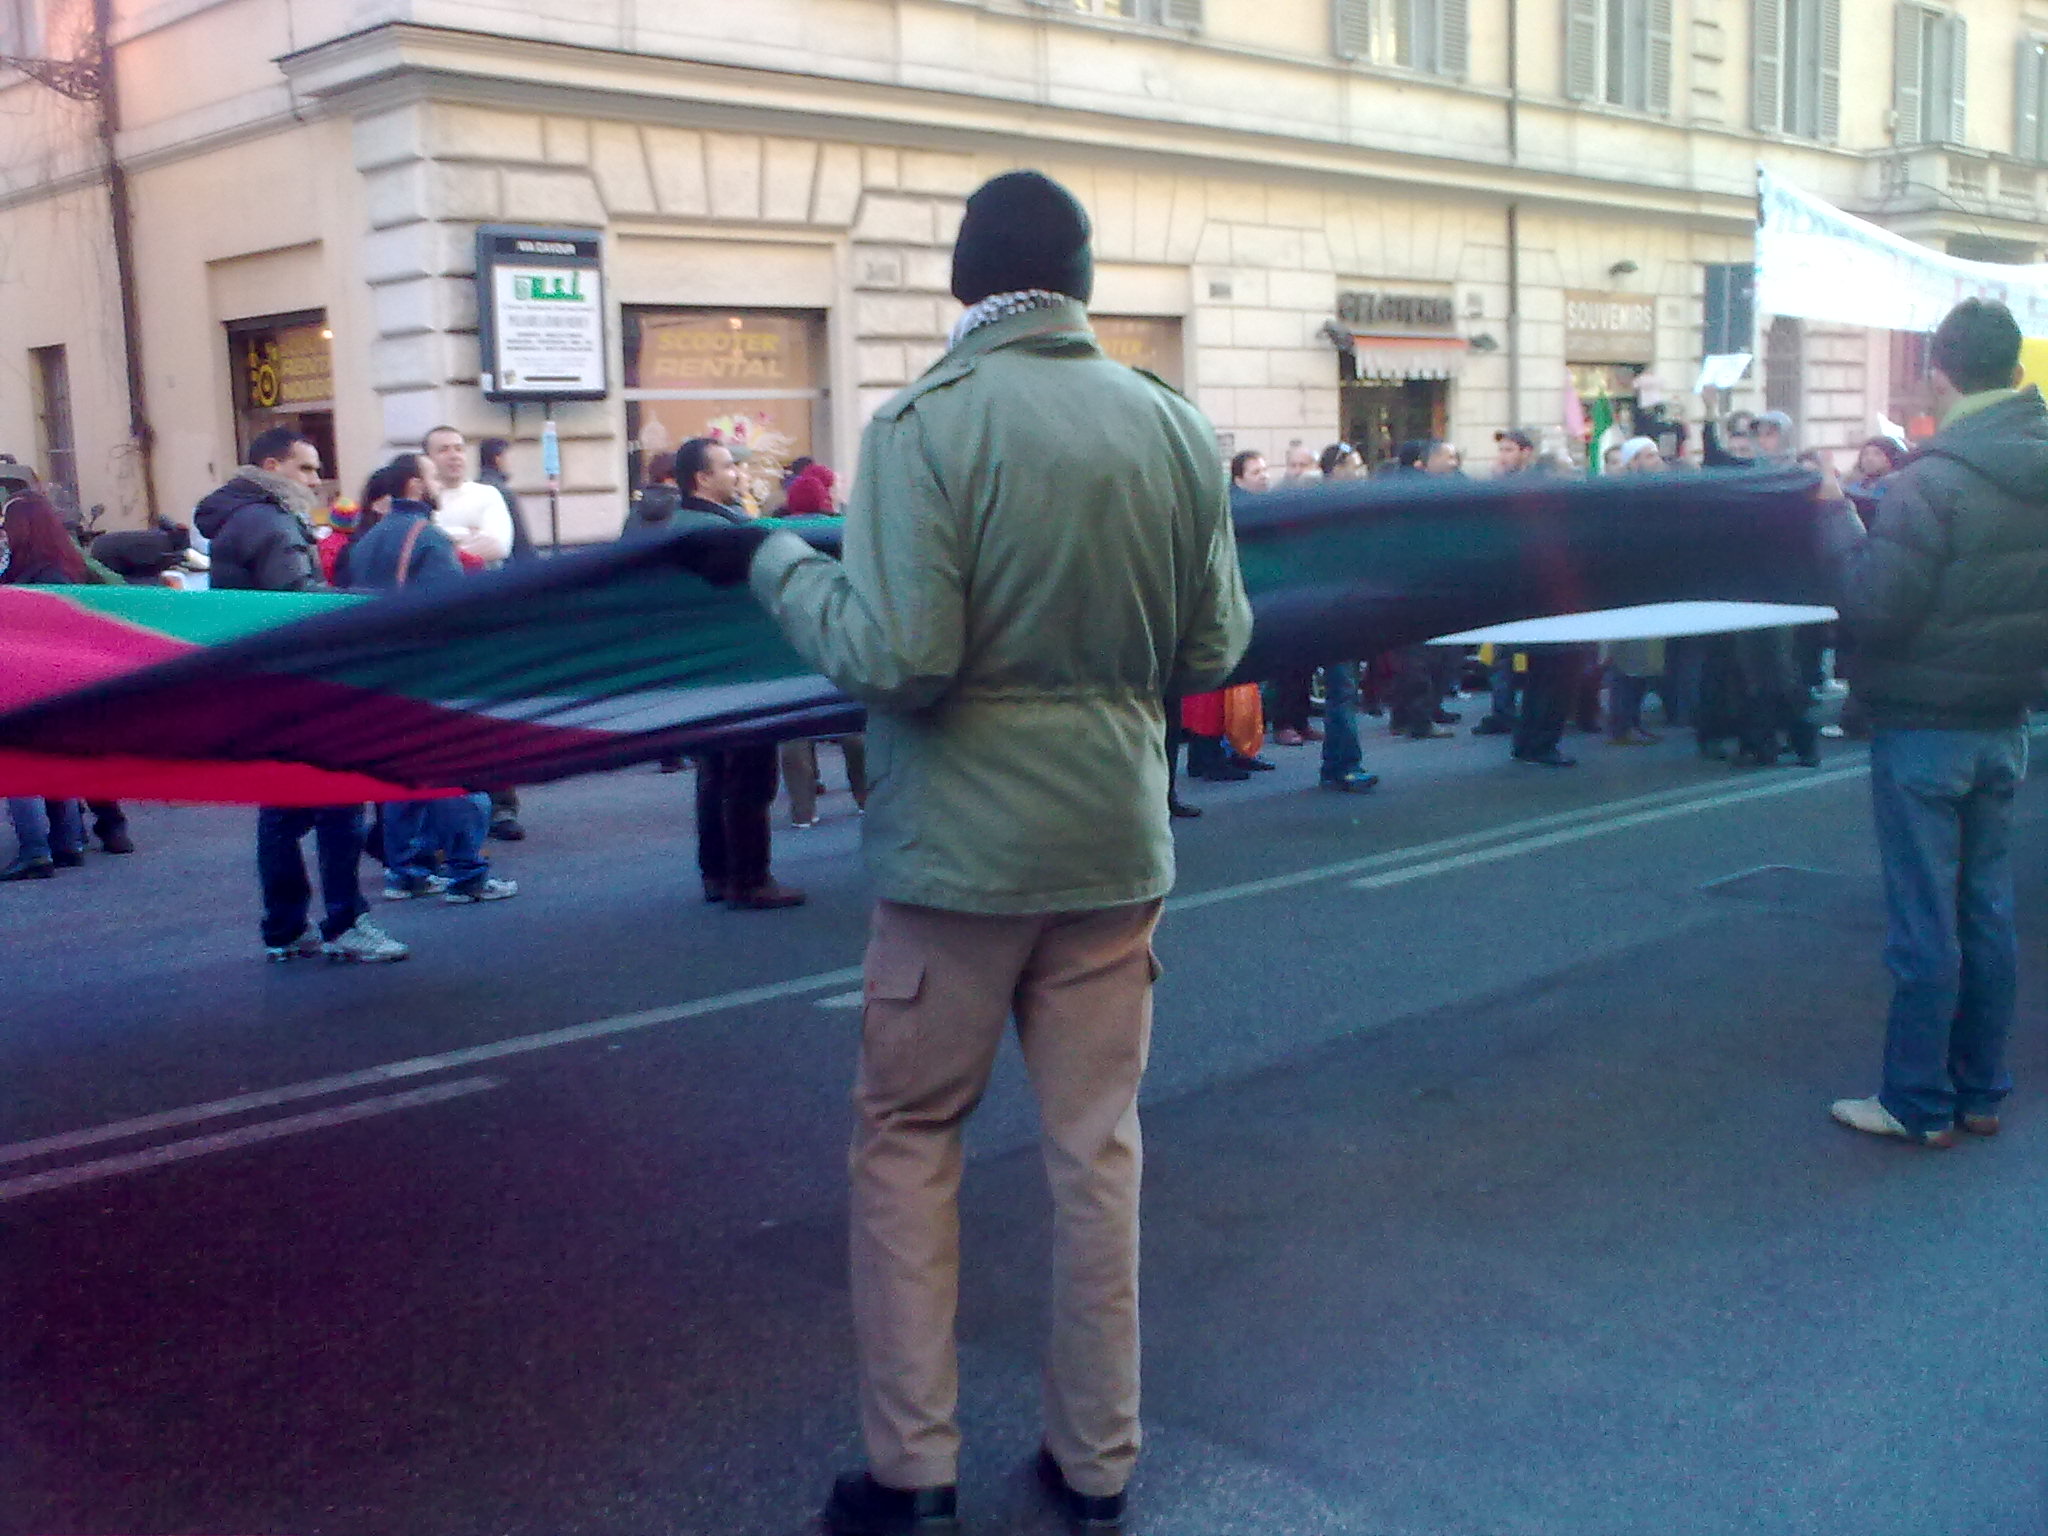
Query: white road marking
(1593,829)
(1393,867)
(519,1045)
(242,1136)
(851,999)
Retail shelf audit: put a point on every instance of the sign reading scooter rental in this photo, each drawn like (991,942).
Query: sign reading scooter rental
(541,313)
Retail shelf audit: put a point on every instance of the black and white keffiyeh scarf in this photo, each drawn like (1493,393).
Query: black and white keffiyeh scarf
(1000,306)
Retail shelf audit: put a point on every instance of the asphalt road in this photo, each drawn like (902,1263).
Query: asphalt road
(1490,1187)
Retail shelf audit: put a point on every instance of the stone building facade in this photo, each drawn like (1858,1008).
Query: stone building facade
(1317,222)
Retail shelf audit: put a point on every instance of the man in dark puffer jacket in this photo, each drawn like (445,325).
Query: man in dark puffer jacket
(1946,602)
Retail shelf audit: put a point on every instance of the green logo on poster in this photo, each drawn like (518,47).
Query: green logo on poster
(547,286)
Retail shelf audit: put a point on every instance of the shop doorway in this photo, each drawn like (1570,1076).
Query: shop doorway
(283,368)
(1381,414)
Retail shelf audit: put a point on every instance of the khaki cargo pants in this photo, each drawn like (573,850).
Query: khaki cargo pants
(940,989)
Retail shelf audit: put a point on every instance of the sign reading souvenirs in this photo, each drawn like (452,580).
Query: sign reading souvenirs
(1377,312)
(1609,327)
(540,312)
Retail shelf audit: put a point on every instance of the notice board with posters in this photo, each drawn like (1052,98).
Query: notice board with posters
(541,313)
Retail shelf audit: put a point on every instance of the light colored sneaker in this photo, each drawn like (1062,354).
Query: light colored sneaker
(365,944)
(486,889)
(432,885)
(1873,1119)
(302,948)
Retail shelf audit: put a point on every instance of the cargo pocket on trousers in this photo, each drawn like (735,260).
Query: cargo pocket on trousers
(889,1025)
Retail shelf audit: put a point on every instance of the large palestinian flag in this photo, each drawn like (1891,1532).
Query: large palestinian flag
(612,656)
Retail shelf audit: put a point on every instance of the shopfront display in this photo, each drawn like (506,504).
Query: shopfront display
(283,372)
(1150,342)
(1396,375)
(752,378)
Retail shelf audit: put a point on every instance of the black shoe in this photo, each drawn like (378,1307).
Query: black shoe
(506,829)
(68,858)
(1447,717)
(860,1506)
(1493,725)
(1083,1512)
(30,869)
(1180,810)
(1222,773)
(117,842)
(1254,764)
(1551,759)
(669,765)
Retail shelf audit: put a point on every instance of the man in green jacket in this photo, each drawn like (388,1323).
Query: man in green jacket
(1037,550)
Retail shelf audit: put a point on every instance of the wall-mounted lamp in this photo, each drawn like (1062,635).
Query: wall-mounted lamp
(1622,269)
(1338,335)
(1483,342)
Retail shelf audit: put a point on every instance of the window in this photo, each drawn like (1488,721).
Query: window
(1158,13)
(1927,76)
(2030,98)
(19,34)
(50,378)
(1797,82)
(1619,52)
(750,377)
(1427,35)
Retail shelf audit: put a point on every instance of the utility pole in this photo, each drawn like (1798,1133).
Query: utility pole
(89,78)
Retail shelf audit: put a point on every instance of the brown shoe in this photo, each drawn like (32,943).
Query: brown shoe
(1287,736)
(763,898)
(1979,1125)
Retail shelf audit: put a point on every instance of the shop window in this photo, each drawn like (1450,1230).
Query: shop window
(1619,52)
(1150,342)
(751,378)
(283,371)
(1433,36)
(1797,74)
(57,454)
(1927,76)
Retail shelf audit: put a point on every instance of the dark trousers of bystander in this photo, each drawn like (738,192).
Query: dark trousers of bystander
(735,787)
(1290,699)
(1547,697)
(338,835)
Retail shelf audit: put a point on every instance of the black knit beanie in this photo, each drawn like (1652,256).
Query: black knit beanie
(1022,230)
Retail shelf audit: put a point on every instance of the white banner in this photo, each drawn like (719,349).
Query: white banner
(1815,262)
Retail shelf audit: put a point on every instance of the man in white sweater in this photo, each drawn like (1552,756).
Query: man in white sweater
(471,513)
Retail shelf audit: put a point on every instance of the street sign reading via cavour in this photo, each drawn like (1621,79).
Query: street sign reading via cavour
(541,313)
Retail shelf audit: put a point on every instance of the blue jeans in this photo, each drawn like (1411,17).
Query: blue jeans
(1943,803)
(427,837)
(1341,752)
(338,833)
(42,827)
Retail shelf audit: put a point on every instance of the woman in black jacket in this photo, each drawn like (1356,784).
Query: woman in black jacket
(37,550)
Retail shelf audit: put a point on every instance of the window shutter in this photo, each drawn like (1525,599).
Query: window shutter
(1953,119)
(1657,66)
(1582,50)
(1906,76)
(1767,46)
(2026,134)
(1186,14)
(1351,28)
(1453,38)
(1830,70)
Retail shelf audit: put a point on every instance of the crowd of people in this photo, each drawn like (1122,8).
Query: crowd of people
(1020,846)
